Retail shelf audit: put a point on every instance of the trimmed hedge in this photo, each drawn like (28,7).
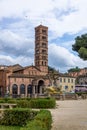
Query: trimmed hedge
(37,103)
(18,117)
(45,116)
(8,100)
(43,103)
(80,93)
(42,121)
(31,103)
(35,125)
(23,104)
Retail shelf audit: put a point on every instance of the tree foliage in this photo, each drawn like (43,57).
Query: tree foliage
(74,69)
(51,68)
(80,46)
(53,76)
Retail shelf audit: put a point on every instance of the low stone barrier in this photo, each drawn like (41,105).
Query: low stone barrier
(65,96)
(7,105)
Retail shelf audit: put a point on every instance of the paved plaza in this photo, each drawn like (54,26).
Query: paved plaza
(70,115)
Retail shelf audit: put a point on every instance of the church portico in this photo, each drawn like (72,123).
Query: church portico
(30,81)
(33,89)
(40,86)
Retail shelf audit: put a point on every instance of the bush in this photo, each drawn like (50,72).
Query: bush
(18,117)
(42,121)
(23,103)
(7,100)
(12,101)
(31,103)
(80,93)
(35,125)
(2,101)
(43,103)
(45,116)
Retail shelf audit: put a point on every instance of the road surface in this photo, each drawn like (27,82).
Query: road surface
(70,115)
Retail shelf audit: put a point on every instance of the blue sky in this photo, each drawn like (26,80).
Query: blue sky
(65,19)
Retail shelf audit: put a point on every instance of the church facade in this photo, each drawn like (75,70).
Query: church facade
(30,81)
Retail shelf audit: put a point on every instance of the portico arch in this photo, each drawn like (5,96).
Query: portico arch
(0,91)
(22,89)
(14,89)
(29,89)
(40,86)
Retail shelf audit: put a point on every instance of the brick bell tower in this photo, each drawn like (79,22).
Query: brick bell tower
(41,48)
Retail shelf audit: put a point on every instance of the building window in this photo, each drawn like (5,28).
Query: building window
(66,87)
(14,89)
(72,80)
(44,57)
(29,89)
(22,89)
(68,80)
(64,80)
(44,31)
(43,38)
(43,51)
(43,44)
(72,87)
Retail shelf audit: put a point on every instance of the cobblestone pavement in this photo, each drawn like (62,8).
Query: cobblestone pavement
(70,115)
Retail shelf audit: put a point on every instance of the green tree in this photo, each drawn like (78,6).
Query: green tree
(53,76)
(80,46)
(74,69)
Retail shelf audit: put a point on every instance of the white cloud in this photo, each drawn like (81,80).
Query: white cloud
(13,44)
(62,59)
(61,17)
(8,60)
(52,13)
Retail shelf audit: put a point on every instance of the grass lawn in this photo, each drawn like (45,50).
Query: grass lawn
(9,127)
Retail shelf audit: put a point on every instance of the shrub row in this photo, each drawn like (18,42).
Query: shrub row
(37,103)
(32,103)
(81,93)
(42,121)
(23,104)
(18,117)
(43,103)
(8,100)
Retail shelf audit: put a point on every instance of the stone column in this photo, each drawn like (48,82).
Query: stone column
(18,90)
(33,90)
(10,90)
(26,91)
(36,89)
(40,89)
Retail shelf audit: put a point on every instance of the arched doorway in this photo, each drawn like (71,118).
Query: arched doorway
(40,87)
(0,91)
(29,89)
(22,89)
(14,90)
